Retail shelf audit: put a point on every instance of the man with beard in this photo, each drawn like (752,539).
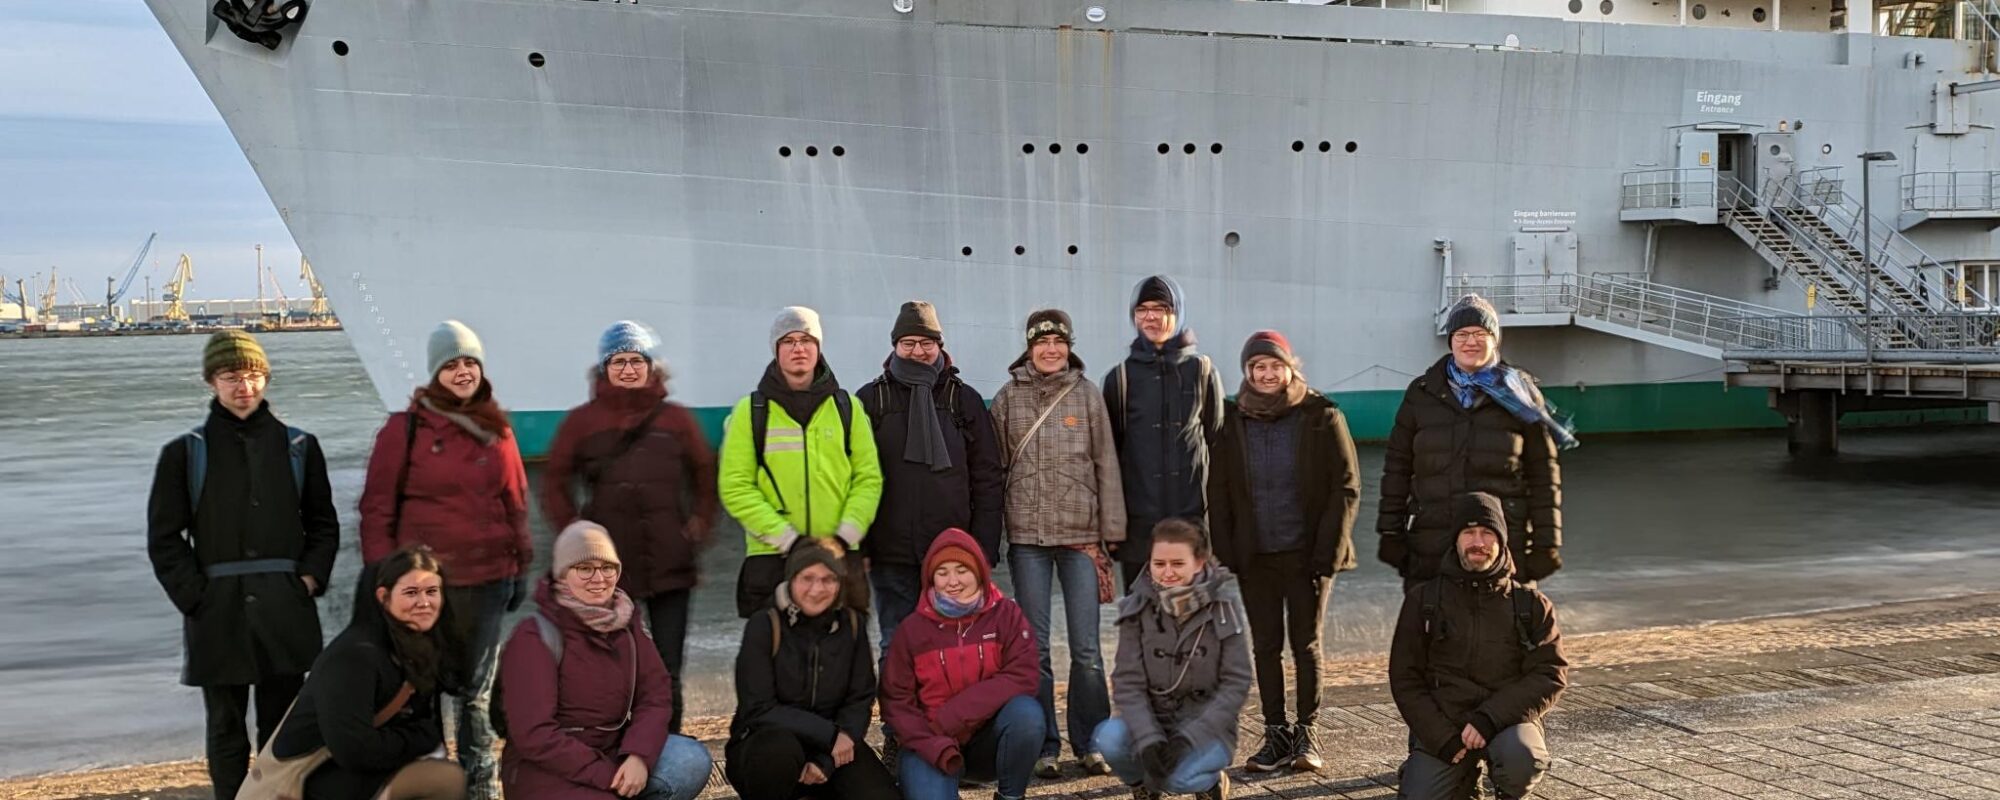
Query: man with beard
(940,464)
(798,460)
(1476,663)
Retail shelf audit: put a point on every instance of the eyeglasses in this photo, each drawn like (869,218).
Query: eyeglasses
(819,582)
(1479,336)
(917,345)
(795,342)
(625,364)
(234,379)
(1152,310)
(587,571)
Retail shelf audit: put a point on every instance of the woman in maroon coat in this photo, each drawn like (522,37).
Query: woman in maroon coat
(447,474)
(958,686)
(624,460)
(587,698)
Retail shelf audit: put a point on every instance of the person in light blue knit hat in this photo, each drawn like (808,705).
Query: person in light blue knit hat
(626,336)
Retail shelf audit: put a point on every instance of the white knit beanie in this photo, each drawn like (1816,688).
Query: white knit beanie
(582,541)
(796,319)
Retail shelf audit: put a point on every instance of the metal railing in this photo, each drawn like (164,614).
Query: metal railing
(1686,187)
(1975,337)
(1631,301)
(1952,191)
(1895,258)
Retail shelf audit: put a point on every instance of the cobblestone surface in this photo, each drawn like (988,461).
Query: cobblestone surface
(1625,730)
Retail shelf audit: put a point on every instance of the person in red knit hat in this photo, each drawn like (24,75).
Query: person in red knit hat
(959,683)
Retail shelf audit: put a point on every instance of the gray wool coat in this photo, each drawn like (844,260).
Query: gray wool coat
(1182,679)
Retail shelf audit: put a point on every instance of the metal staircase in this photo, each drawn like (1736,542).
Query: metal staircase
(1919,18)
(1803,262)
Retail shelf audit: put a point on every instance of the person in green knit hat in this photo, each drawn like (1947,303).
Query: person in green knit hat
(245,525)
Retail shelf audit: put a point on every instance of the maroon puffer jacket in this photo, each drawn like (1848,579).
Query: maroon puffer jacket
(638,495)
(945,679)
(556,749)
(465,498)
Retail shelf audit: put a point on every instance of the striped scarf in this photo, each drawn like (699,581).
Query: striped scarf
(1506,386)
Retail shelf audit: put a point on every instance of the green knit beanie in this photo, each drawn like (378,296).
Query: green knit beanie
(227,350)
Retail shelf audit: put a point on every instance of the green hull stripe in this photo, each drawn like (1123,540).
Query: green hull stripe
(1614,408)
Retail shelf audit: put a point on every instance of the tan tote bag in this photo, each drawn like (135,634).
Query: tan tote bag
(274,778)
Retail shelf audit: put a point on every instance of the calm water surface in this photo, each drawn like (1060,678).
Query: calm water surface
(1658,531)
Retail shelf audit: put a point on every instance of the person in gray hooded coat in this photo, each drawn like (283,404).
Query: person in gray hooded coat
(1183,672)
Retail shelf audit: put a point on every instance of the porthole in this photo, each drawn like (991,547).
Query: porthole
(1758,14)
(536,60)
(965,251)
(1020,251)
(339,47)
(1699,11)
(1188,148)
(1575,6)
(1298,146)
(784,152)
(1215,149)
(1604,8)
(1351,147)
(1055,149)
(1082,148)
(1231,239)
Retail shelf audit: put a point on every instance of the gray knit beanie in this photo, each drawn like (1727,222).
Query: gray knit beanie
(796,319)
(453,340)
(1472,311)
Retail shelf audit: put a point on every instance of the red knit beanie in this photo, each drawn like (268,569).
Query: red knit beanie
(1268,343)
(956,545)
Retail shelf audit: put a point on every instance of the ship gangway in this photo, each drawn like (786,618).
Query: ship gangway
(1816,367)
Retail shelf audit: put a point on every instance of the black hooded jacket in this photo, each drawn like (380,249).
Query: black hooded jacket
(357,676)
(816,681)
(1166,409)
(1467,662)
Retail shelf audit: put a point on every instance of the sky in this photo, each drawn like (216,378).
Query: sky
(105,137)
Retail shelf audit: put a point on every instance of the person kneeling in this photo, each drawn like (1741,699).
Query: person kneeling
(366,724)
(959,684)
(588,701)
(805,684)
(1476,662)
(1183,672)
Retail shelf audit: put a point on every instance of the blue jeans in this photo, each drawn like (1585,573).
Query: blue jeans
(477,612)
(898,589)
(1003,752)
(1198,772)
(682,771)
(1036,570)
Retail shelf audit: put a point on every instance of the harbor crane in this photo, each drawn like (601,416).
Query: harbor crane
(320,312)
(284,313)
(176,289)
(112,296)
(48,299)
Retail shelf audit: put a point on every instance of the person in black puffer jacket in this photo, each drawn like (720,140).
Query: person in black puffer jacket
(1472,423)
(1476,663)
(804,698)
(397,639)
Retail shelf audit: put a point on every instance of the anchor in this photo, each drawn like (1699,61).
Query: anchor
(259,21)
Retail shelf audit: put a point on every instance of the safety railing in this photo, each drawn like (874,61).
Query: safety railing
(1952,191)
(1687,187)
(1971,337)
(1894,257)
(1631,301)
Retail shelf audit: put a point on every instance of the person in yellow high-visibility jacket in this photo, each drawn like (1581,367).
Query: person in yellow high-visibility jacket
(820,480)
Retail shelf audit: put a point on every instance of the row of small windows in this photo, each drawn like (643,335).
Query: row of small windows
(1698,11)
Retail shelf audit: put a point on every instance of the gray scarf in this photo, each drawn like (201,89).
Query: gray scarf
(926,443)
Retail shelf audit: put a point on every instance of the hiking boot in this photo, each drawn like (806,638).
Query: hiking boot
(1047,768)
(1143,793)
(1095,764)
(1276,754)
(1220,791)
(1305,749)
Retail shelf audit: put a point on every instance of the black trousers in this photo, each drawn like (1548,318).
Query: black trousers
(1285,601)
(766,766)
(667,620)
(228,737)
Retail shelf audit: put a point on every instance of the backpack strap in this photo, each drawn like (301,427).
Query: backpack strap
(1428,607)
(1524,610)
(550,634)
(295,446)
(760,426)
(197,465)
(777,630)
(845,405)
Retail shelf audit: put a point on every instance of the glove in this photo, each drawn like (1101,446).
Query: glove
(1177,751)
(1154,760)
(785,540)
(1539,562)
(523,586)
(851,534)
(1393,550)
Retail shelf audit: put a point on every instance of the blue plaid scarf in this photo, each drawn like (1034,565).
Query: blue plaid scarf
(1506,386)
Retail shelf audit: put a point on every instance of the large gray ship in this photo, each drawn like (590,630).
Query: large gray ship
(1643,186)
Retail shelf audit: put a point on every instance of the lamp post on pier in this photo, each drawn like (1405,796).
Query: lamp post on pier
(1868,160)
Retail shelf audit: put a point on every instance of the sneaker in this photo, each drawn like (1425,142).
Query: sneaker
(1095,764)
(1305,749)
(890,755)
(1047,768)
(1276,754)
(1143,793)
(1220,791)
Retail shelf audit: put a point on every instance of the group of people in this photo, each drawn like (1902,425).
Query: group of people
(890,506)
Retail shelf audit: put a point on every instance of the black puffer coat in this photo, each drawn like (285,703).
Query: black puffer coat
(820,683)
(918,503)
(1473,667)
(1166,408)
(1439,448)
(242,629)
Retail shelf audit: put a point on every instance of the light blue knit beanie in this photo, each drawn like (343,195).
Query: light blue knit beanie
(626,336)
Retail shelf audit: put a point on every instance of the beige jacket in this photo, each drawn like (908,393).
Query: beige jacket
(1062,485)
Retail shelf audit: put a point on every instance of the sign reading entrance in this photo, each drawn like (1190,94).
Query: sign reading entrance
(1715,102)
